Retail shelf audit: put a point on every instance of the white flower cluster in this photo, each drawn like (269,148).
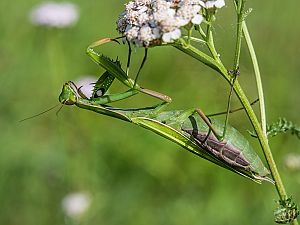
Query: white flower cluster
(292,161)
(75,204)
(151,22)
(54,14)
(214,3)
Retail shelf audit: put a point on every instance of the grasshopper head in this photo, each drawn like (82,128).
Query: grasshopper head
(69,94)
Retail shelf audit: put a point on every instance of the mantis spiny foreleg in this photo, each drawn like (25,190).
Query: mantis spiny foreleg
(115,70)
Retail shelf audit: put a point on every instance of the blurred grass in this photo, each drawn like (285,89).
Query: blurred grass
(134,176)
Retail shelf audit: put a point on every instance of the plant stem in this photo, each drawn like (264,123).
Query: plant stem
(192,51)
(210,40)
(263,141)
(267,151)
(197,54)
(258,79)
(261,131)
(242,28)
(239,9)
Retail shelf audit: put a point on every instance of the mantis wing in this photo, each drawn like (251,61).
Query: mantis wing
(181,139)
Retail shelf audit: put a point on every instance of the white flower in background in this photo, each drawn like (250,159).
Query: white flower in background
(214,3)
(150,22)
(86,85)
(292,161)
(55,14)
(75,204)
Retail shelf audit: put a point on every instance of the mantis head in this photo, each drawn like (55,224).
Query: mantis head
(69,94)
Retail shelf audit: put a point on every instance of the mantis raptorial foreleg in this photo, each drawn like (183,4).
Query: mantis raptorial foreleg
(101,87)
(115,70)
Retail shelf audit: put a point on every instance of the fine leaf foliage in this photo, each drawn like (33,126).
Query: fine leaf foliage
(282,125)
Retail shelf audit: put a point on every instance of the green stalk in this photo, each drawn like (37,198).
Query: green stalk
(210,40)
(200,56)
(267,151)
(239,10)
(197,54)
(262,140)
(258,79)
(194,52)
(261,131)
(215,63)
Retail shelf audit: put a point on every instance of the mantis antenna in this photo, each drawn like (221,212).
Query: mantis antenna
(41,113)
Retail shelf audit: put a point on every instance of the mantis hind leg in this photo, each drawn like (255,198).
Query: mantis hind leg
(129,60)
(141,66)
(128,57)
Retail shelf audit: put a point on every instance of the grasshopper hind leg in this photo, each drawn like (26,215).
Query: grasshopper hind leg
(206,119)
(235,74)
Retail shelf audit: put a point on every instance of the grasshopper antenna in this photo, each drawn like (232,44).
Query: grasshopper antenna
(230,111)
(41,113)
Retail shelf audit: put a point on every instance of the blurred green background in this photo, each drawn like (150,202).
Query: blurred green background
(131,175)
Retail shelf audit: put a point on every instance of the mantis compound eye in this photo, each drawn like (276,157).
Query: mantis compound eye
(68,102)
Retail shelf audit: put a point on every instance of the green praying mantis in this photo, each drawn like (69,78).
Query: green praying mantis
(190,128)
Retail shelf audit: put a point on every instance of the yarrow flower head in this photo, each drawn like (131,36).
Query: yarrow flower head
(53,14)
(152,22)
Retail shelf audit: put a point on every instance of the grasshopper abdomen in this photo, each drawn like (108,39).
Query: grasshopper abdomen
(223,150)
